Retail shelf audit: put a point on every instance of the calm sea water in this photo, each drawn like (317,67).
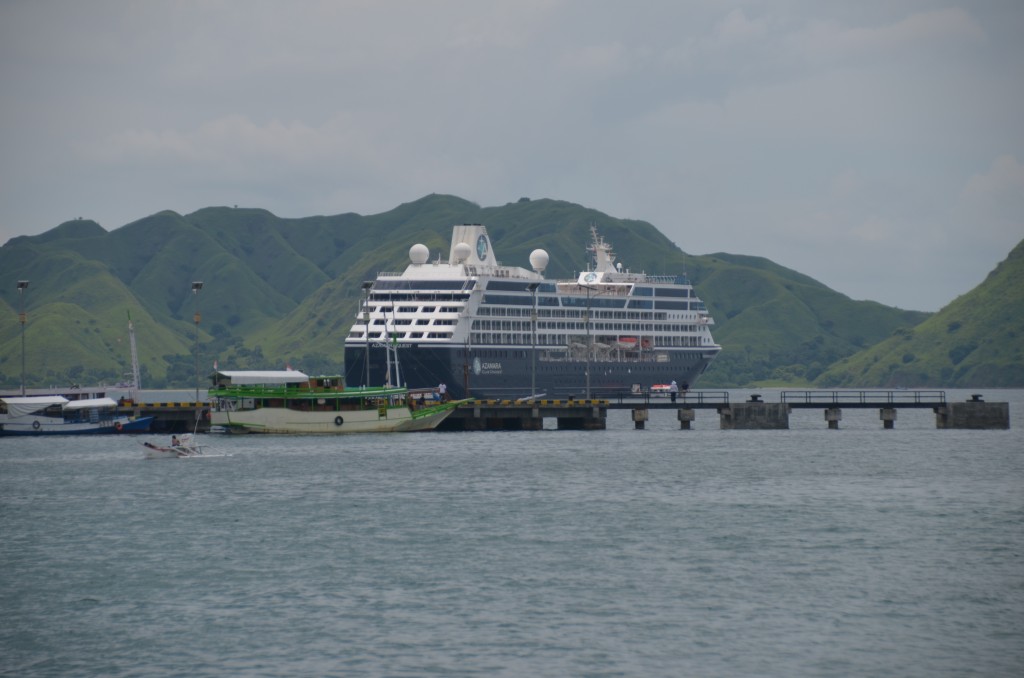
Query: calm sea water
(661,552)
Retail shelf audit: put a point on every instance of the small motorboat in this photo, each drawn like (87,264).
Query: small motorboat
(181,447)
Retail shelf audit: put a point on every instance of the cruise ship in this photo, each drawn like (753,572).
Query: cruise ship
(485,330)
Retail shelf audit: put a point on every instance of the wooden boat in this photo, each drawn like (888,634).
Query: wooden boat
(289,401)
(56,415)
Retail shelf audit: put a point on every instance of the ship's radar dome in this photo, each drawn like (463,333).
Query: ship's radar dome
(462,252)
(418,254)
(539,260)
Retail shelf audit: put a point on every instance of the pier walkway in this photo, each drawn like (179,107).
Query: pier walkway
(753,413)
(591,414)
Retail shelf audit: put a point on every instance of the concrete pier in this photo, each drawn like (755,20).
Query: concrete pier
(973,414)
(511,415)
(594,420)
(172,416)
(754,415)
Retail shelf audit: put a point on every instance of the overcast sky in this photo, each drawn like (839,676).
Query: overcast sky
(875,146)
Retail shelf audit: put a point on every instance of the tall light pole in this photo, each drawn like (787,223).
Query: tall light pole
(586,321)
(196,286)
(590,346)
(533,341)
(22,318)
(366,321)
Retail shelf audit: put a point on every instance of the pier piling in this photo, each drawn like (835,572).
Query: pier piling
(973,414)
(754,415)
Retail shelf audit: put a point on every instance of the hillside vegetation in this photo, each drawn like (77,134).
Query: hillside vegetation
(283,291)
(977,340)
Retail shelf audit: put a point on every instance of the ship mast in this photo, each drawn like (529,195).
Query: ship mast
(136,377)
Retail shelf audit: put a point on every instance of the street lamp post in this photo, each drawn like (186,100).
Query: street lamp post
(22,318)
(533,341)
(196,286)
(366,322)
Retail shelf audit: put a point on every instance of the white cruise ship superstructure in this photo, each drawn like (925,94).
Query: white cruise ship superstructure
(493,331)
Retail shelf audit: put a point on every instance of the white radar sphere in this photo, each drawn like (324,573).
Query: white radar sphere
(418,254)
(462,252)
(539,260)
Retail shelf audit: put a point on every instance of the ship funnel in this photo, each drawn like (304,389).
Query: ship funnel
(473,236)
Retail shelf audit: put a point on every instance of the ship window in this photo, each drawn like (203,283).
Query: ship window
(507,286)
(670,292)
(406,309)
(507,299)
(428,309)
(423,321)
(675,305)
(643,291)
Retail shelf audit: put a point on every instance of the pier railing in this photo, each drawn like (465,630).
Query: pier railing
(866,399)
(684,399)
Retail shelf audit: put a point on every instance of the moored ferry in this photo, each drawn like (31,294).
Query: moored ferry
(288,401)
(493,331)
(57,415)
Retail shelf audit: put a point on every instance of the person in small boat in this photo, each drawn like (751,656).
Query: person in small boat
(174,441)
(442,390)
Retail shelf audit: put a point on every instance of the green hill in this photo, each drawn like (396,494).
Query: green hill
(779,326)
(977,340)
(280,290)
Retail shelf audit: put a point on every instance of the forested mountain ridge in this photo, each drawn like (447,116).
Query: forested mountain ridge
(284,290)
(976,340)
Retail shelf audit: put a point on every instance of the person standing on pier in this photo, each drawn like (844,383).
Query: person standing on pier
(673,390)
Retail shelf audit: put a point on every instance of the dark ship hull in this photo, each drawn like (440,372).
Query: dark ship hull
(507,372)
